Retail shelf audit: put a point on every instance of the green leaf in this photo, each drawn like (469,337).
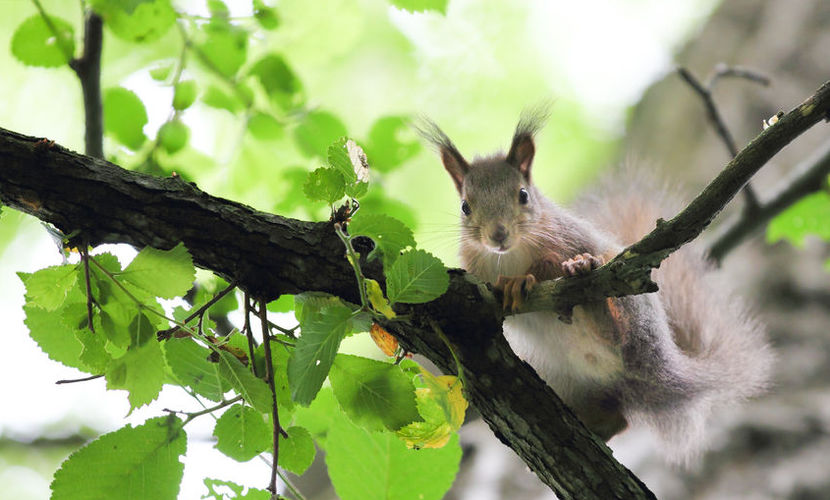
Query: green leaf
(439,6)
(161,72)
(319,415)
(136,20)
(141,330)
(389,234)
(279,361)
(225,48)
(266,16)
(141,371)
(184,94)
(391,143)
(265,127)
(348,158)
(215,97)
(367,465)
(94,353)
(53,336)
(283,304)
(131,463)
(242,433)
(809,216)
(416,277)
(442,405)
(34,42)
(374,394)
(322,332)
(297,451)
(124,117)
(218,8)
(173,136)
(317,131)
(252,389)
(216,491)
(190,366)
(378,201)
(325,184)
(275,76)
(48,288)
(163,273)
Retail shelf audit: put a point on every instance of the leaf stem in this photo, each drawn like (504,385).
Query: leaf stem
(165,334)
(191,416)
(354,260)
(85,259)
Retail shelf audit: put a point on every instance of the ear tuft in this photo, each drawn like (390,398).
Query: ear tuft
(522,148)
(455,164)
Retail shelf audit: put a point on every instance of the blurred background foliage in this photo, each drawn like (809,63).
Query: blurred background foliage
(242,97)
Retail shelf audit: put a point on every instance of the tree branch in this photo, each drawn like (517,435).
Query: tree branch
(88,69)
(270,255)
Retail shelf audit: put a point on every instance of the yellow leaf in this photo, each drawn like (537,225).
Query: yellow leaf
(384,340)
(442,406)
(379,302)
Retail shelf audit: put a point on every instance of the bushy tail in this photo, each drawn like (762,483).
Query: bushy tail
(724,345)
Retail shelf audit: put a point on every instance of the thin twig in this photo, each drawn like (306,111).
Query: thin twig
(85,259)
(191,416)
(269,375)
(809,177)
(166,334)
(712,112)
(74,380)
(249,334)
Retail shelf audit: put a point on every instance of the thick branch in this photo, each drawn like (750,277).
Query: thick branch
(270,255)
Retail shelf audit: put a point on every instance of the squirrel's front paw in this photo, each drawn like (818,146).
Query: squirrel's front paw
(514,290)
(581,264)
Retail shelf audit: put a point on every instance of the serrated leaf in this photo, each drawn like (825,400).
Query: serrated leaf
(808,216)
(48,288)
(348,158)
(190,366)
(379,302)
(318,416)
(374,394)
(137,463)
(184,94)
(216,491)
(53,336)
(389,234)
(279,361)
(173,136)
(317,131)
(265,127)
(252,389)
(163,273)
(138,21)
(34,42)
(322,331)
(383,339)
(442,406)
(297,451)
(416,277)
(391,142)
(439,6)
(325,184)
(124,117)
(94,353)
(141,372)
(357,460)
(242,433)
(284,304)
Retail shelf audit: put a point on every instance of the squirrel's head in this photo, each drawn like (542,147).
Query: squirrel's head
(498,201)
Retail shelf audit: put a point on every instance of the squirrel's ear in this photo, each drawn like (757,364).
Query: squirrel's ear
(522,149)
(455,164)
(521,153)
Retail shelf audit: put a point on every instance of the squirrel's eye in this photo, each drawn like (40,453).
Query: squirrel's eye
(465,207)
(523,196)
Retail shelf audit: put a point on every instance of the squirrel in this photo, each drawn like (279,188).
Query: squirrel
(663,359)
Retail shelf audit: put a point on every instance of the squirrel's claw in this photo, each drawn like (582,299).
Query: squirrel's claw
(514,290)
(581,264)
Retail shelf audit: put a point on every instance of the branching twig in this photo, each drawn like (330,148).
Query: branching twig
(705,93)
(809,177)
(269,375)
(166,334)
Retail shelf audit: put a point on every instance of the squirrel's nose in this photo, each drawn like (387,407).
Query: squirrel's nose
(499,234)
